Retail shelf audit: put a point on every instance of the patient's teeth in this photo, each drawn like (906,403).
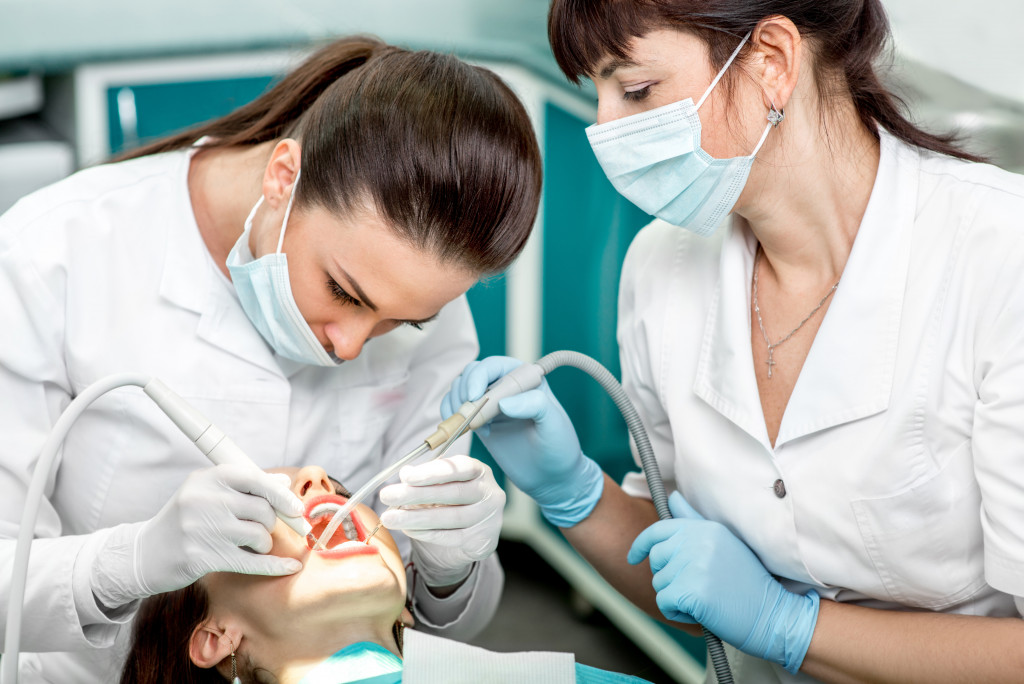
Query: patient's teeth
(350,529)
(324,509)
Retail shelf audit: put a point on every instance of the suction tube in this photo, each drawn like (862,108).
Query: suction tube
(647,461)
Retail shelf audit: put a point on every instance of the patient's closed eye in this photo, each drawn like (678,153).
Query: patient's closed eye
(339,488)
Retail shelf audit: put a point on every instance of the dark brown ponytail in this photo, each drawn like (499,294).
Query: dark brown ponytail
(849,37)
(441,149)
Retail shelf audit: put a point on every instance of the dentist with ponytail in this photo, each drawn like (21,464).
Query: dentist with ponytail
(823,332)
(295,270)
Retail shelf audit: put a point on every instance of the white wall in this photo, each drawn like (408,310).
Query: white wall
(979,42)
(960,66)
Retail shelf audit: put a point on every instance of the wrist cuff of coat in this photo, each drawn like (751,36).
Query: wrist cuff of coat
(586,491)
(800,632)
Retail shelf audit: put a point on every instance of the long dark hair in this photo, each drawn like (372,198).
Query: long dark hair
(848,35)
(160,639)
(159,652)
(441,149)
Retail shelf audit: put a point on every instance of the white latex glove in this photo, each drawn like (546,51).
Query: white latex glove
(202,529)
(458,519)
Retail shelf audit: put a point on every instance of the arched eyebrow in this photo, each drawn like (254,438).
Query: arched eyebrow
(339,488)
(611,67)
(355,286)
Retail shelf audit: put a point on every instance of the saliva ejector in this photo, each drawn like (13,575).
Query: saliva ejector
(340,515)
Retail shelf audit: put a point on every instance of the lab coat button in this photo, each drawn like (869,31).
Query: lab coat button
(780,488)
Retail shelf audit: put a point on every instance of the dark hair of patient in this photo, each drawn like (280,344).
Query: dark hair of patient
(159,652)
(160,639)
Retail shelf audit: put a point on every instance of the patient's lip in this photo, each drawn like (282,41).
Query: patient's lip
(349,548)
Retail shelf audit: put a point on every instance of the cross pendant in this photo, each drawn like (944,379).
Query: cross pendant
(770,362)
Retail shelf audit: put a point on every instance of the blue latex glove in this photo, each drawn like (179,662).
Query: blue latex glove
(534,442)
(704,573)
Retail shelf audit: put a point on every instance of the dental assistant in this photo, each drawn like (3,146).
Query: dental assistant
(823,333)
(296,270)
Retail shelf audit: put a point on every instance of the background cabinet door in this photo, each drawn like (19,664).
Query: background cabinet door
(587,229)
(137,114)
(119,105)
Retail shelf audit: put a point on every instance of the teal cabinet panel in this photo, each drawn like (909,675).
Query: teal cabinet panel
(587,229)
(158,109)
(487,301)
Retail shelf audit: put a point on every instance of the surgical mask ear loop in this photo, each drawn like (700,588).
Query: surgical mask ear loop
(722,71)
(774,116)
(288,211)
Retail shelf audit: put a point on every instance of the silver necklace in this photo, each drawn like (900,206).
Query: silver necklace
(760,323)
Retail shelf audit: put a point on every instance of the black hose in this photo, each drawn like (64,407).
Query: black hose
(647,461)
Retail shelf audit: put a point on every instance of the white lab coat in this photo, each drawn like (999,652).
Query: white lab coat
(902,447)
(105,272)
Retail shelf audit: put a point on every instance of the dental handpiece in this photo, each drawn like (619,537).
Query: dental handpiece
(471,415)
(466,420)
(212,441)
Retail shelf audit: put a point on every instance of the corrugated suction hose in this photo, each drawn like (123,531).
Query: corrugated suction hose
(647,461)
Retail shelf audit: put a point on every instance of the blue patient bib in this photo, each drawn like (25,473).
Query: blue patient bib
(361,663)
(591,675)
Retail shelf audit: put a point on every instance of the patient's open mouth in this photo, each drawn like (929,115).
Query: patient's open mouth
(349,535)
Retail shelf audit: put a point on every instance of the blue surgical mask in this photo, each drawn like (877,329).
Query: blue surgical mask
(654,159)
(265,291)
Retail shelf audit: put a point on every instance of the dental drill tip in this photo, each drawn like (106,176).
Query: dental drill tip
(310,537)
(373,532)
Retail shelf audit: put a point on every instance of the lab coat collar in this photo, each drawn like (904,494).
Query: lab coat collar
(849,370)
(190,280)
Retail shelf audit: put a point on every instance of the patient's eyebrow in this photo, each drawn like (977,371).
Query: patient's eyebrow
(339,488)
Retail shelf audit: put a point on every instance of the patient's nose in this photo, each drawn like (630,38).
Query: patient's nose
(312,481)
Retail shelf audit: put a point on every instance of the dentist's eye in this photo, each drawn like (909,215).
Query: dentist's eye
(340,294)
(637,95)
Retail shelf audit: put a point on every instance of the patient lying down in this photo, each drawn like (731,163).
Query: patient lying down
(339,619)
(279,628)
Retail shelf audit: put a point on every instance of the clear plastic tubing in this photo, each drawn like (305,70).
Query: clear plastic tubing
(369,488)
